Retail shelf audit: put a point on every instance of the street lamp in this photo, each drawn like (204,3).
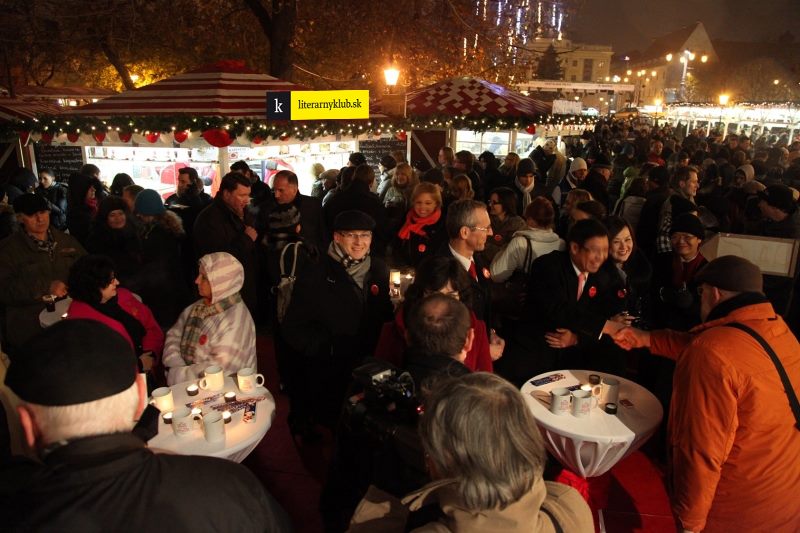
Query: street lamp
(391,75)
(685,57)
(723,101)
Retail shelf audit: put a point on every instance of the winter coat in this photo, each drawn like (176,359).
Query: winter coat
(25,276)
(56,194)
(512,257)
(121,245)
(630,209)
(153,340)
(358,196)
(735,448)
(534,512)
(413,250)
(227,339)
(503,231)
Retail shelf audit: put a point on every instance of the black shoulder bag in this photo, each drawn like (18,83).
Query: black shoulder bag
(787,385)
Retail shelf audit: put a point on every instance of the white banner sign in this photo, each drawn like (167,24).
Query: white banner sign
(566,107)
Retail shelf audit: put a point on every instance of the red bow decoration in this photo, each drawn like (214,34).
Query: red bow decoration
(180,136)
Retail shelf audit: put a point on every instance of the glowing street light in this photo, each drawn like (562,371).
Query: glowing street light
(724,99)
(669,57)
(391,75)
(776,82)
(703,58)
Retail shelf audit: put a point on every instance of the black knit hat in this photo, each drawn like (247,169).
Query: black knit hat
(601,161)
(72,362)
(30,204)
(732,273)
(357,158)
(778,196)
(688,223)
(526,166)
(353,220)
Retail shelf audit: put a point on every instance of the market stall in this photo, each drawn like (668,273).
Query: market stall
(741,117)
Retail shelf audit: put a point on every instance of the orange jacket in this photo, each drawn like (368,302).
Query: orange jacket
(735,448)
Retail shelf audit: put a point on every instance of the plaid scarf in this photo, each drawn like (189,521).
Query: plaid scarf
(357,268)
(191,336)
(48,246)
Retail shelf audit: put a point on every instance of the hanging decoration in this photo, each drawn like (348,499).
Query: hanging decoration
(73,137)
(180,135)
(46,137)
(401,135)
(99,136)
(152,136)
(531,129)
(218,137)
(24,137)
(125,136)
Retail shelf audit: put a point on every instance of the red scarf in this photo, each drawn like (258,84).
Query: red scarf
(415,224)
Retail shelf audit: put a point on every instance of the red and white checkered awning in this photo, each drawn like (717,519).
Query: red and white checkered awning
(472,97)
(226,88)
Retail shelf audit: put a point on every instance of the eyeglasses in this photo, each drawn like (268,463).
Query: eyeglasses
(479,228)
(678,237)
(354,235)
(492,202)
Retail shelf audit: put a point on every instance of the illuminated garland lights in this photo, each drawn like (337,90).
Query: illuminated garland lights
(258,130)
(769,105)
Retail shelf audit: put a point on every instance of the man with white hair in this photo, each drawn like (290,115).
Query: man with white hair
(80,395)
(217,329)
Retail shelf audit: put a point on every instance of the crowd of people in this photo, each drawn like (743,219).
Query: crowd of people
(587,258)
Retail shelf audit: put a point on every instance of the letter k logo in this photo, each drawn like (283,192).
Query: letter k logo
(279,105)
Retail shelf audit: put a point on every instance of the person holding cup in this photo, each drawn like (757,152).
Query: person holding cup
(217,330)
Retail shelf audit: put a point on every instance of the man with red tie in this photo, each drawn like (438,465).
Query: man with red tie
(468,228)
(566,308)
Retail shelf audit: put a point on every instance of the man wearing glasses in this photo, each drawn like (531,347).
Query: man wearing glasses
(338,307)
(468,228)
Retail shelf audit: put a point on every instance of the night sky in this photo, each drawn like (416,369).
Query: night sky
(631,24)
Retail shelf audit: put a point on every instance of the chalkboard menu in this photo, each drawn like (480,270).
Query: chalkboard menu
(375,149)
(62,160)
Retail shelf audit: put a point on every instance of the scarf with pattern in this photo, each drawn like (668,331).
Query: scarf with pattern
(357,268)
(194,324)
(48,245)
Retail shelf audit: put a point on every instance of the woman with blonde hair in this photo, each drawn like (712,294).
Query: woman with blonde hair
(423,231)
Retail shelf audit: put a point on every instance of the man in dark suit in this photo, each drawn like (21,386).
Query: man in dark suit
(567,307)
(468,227)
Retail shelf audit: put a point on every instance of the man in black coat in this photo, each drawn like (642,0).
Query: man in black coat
(338,307)
(468,227)
(358,195)
(567,306)
(596,181)
(56,194)
(224,227)
(104,478)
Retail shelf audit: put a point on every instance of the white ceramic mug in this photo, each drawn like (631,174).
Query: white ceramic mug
(214,426)
(214,378)
(248,379)
(182,422)
(610,388)
(583,402)
(560,400)
(162,399)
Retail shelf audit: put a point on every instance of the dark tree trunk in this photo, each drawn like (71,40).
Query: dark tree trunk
(278,24)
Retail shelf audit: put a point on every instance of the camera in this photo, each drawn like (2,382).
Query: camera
(385,389)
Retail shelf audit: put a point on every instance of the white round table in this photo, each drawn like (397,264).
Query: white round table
(591,446)
(240,438)
(48,318)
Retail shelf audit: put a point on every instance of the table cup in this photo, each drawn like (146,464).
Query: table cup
(214,427)
(49,302)
(162,399)
(248,379)
(583,402)
(560,400)
(182,422)
(610,390)
(213,379)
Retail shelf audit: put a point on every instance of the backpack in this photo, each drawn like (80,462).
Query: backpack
(283,290)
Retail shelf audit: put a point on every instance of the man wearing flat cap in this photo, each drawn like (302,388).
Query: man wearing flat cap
(339,305)
(34,263)
(80,395)
(734,438)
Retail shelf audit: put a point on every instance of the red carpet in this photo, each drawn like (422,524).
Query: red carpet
(294,474)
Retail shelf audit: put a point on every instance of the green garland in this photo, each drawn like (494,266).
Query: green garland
(259,128)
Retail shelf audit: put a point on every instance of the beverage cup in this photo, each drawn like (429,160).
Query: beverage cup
(162,399)
(610,392)
(213,380)
(214,427)
(50,303)
(248,379)
(560,400)
(182,422)
(583,402)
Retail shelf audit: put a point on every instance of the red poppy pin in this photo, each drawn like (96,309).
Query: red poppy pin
(592,292)
(421,248)
(374,289)
(622,293)
(486,273)
(498,237)
(203,339)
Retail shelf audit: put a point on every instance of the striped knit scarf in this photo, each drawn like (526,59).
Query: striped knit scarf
(191,336)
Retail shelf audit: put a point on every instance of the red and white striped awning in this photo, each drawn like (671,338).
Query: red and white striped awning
(474,97)
(15,109)
(226,88)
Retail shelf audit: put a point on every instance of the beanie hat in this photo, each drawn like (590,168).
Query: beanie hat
(148,202)
(357,158)
(353,220)
(30,204)
(526,166)
(578,164)
(732,273)
(71,362)
(688,223)
(601,161)
(659,175)
(778,196)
